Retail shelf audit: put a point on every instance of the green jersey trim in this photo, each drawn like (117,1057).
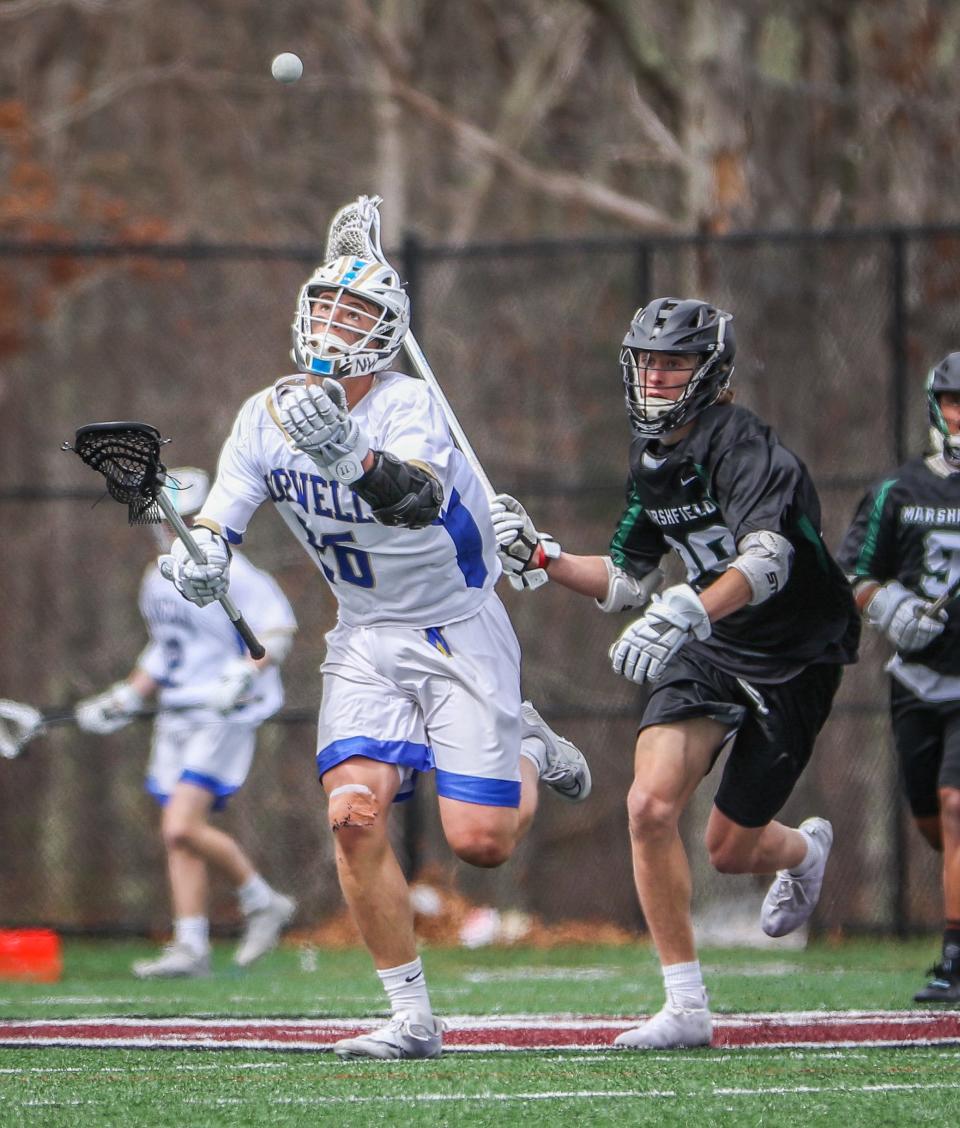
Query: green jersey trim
(626,525)
(869,546)
(806,528)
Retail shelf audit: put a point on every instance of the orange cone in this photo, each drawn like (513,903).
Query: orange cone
(30,953)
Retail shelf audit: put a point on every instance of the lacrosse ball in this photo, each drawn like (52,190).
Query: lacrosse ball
(286,67)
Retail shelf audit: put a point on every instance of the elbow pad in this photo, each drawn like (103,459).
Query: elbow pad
(400,493)
(764,562)
(624,590)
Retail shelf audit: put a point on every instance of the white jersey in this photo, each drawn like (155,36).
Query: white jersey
(189,645)
(379,574)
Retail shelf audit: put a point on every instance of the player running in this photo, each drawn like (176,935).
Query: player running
(203,747)
(746,654)
(902,552)
(422,671)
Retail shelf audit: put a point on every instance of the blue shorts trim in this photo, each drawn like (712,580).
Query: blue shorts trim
(478,789)
(406,752)
(221,791)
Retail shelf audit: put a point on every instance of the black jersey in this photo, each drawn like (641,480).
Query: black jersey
(907,528)
(732,476)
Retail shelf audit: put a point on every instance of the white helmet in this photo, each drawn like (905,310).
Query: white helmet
(187,487)
(317,344)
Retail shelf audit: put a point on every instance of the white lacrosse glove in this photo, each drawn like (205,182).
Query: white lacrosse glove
(110,710)
(19,724)
(317,420)
(235,682)
(200,583)
(522,550)
(903,618)
(642,652)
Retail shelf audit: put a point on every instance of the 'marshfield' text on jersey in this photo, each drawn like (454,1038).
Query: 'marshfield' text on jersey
(732,476)
(907,528)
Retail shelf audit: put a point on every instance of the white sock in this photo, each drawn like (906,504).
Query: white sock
(684,985)
(536,751)
(254,894)
(801,869)
(194,933)
(406,987)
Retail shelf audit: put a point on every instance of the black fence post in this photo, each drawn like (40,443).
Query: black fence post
(899,904)
(643,272)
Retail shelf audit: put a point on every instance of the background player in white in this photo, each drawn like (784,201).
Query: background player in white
(902,552)
(196,664)
(747,653)
(422,671)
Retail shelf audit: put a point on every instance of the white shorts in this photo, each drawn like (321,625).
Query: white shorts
(444,699)
(213,755)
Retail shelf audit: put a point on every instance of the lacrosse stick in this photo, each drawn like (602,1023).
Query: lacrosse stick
(21,723)
(935,608)
(128,456)
(355,230)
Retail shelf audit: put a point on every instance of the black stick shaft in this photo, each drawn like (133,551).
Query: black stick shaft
(253,644)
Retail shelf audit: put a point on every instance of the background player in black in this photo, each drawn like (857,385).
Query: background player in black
(749,650)
(902,552)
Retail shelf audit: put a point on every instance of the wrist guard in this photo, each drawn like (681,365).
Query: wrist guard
(400,493)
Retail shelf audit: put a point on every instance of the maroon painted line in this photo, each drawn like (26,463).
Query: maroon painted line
(739,1031)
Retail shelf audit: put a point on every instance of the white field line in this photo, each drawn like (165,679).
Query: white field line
(555,1095)
(179,1068)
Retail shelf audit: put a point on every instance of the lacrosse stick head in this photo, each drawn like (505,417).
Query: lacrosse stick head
(19,724)
(355,230)
(128,456)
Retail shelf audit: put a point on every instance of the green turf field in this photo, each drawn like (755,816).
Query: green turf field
(811,1087)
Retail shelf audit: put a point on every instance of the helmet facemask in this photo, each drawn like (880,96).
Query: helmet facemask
(944,442)
(352,316)
(945,377)
(653,414)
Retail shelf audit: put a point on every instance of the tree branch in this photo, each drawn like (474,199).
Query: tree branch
(564,187)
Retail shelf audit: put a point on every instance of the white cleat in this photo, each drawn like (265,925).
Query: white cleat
(672,1028)
(566,770)
(405,1036)
(790,899)
(263,930)
(176,961)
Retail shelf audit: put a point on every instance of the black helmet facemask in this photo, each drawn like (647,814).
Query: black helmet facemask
(944,377)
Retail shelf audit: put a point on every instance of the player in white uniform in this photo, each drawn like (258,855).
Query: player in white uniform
(196,667)
(422,671)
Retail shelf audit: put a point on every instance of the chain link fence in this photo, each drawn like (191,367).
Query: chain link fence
(835,333)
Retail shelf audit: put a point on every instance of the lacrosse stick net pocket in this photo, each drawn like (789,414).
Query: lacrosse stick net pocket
(128,456)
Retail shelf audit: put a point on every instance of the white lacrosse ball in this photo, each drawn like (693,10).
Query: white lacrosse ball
(286,67)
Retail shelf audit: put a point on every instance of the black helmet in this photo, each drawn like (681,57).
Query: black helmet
(944,377)
(677,325)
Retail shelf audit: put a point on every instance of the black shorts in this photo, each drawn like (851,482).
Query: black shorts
(927,736)
(769,752)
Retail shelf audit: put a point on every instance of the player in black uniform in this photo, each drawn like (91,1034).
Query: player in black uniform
(902,552)
(749,650)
